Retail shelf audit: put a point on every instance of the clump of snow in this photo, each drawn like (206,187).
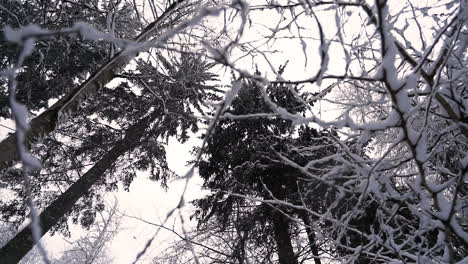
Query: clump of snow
(20,35)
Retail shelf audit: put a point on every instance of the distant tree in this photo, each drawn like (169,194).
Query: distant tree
(212,243)
(89,248)
(241,163)
(92,247)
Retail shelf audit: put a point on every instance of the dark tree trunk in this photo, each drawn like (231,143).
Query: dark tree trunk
(239,250)
(283,239)
(311,236)
(23,241)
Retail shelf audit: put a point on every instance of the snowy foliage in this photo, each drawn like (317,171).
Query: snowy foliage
(348,144)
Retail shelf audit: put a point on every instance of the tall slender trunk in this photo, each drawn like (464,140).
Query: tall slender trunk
(283,239)
(311,237)
(23,241)
(45,123)
(239,249)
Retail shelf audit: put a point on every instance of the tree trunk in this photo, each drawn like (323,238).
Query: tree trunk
(311,237)
(20,245)
(283,240)
(46,122)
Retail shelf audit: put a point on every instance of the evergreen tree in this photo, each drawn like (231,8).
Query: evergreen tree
(166,110)
(69,104)
(116,132)
(242,162)
(58,61)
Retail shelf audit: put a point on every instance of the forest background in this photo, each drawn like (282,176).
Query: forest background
(319,131)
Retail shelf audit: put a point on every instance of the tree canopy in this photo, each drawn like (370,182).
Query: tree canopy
(354,151)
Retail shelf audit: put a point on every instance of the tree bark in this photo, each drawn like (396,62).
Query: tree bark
(45,123)
(283,239)
(311,237)
(20,245)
